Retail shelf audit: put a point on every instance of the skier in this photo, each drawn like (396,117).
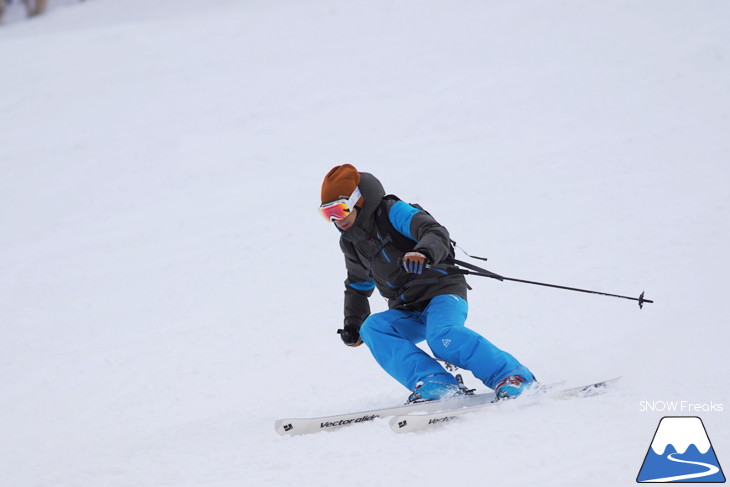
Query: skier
(390,245)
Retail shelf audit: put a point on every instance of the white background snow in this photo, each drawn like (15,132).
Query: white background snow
(168,290)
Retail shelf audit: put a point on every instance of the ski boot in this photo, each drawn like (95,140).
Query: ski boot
(432,390)
(512,386)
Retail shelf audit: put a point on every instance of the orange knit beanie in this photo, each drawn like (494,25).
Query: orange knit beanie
(340,182)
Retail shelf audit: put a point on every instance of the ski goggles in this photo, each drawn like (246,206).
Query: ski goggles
(341,208)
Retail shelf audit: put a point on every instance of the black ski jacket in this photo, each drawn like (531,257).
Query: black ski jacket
(373,255)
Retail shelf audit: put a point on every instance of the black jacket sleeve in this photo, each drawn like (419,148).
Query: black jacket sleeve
(358,287)
(432,238)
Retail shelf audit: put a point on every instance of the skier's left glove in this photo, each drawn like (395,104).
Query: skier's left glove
(350,335)
(414,262)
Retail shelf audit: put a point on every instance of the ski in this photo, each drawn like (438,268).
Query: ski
(303,426)
(407,423)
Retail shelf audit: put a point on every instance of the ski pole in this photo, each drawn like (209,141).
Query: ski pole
(473,270)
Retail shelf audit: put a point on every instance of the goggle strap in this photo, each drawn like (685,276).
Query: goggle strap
(354,198)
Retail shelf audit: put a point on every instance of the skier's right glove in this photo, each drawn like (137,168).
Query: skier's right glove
(351,335)
(415,262)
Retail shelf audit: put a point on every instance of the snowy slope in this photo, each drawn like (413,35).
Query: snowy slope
(167,288)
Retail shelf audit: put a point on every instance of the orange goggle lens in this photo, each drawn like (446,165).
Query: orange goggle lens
(340,209)
(337,210)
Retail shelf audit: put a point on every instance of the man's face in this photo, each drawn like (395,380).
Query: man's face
(347,222)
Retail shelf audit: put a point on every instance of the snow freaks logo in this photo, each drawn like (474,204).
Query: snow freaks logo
(680,452)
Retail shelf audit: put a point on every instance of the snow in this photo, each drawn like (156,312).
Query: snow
(168,290)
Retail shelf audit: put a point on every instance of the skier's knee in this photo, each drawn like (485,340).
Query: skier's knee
(456,348)
(372,325)
(442,346)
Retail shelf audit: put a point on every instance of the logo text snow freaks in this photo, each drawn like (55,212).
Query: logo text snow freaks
(680,407)
(680,451)
(343,422)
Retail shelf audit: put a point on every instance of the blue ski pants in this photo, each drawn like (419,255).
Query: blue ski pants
(392,336)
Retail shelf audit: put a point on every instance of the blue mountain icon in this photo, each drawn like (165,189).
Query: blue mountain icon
(681,452)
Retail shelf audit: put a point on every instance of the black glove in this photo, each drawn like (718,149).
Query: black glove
(351,335)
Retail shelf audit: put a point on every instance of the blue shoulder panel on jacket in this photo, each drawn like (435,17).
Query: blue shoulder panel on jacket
(401,214)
